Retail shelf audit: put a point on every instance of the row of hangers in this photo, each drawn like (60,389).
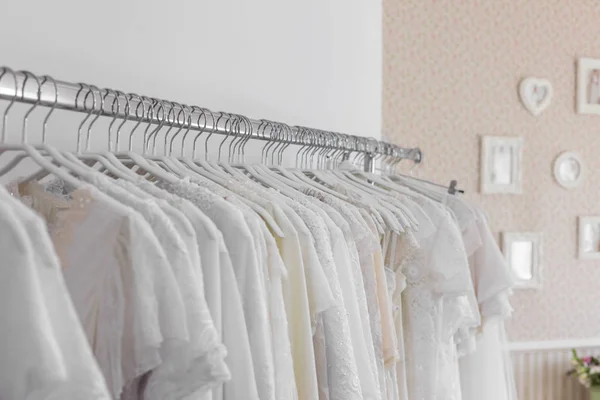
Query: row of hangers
(322,162)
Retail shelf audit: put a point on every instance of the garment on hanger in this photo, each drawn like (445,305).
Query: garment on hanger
(201,358)
(44,350)
(487,370)
(192,281)
(109,279)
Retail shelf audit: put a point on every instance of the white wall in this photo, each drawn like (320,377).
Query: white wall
(306,62)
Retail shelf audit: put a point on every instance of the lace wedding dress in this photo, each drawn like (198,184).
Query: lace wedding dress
(438,271)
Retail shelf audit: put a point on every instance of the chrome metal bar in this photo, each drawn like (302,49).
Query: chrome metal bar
(24,87)
(369,164)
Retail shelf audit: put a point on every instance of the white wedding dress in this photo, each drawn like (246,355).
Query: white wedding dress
(487,373)
(436,275)
(342,379)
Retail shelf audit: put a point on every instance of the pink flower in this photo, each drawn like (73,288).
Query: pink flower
(586,360)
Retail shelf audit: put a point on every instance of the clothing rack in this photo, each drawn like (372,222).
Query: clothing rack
(26,87)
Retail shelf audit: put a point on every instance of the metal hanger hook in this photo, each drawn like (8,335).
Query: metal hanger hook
(100,111)
(116,100)
(12,101)
(161,104)
(167,120)
(45,123)
(137,116)
(187,120)
(176,119)
(84,107)
(185,135)
(249,133)
(125,119)
(34,106)
(201,131)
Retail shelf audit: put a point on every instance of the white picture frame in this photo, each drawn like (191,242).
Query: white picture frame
(588,86)
(588,242)
(523,254)
(569,170)
(536,94)
(501,160)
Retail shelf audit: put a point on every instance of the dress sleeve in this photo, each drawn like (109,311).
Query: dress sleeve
(198,365)
(450,265)
(154,320)
(492,276)
(448,260)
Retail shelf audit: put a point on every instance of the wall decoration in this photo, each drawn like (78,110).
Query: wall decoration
(588,86)
(568,170)
(523,252)
(437,92)
(589,238)
(536,94)
(501,164)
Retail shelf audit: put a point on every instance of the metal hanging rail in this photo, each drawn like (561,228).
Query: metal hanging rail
(23,86)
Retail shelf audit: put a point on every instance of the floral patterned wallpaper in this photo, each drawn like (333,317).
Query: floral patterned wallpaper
(451,75)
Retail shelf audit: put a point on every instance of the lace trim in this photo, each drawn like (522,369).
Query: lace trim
(188,189)
(343,377)
(364,238)
(406,250)
(60,206)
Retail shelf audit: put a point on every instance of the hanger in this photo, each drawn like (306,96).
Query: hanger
(245,134)
(106,160)
(114,160)
(30,150)
(189,168)
(140,161)
(68,159)
(332,179)
(164,161)
(202,167)
(324,179)
(263,173)
(372,182)
(299,179)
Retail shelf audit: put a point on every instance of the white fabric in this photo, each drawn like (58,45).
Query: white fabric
(391,373)
(164,275)
(223,301)
(237,258)
(181,223)
(438,271)
(293,247)
(487,372)
(364,245)
(45,354)
(343,381)
(115,269)
(306,292)
(197,365)
(239,239)
(399,250)
(275,274)
(348,273)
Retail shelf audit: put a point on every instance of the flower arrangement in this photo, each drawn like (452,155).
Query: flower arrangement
(587,370)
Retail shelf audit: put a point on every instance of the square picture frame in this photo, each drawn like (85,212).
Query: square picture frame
(501,160)
(588,86)
(588,242)
(523,254)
